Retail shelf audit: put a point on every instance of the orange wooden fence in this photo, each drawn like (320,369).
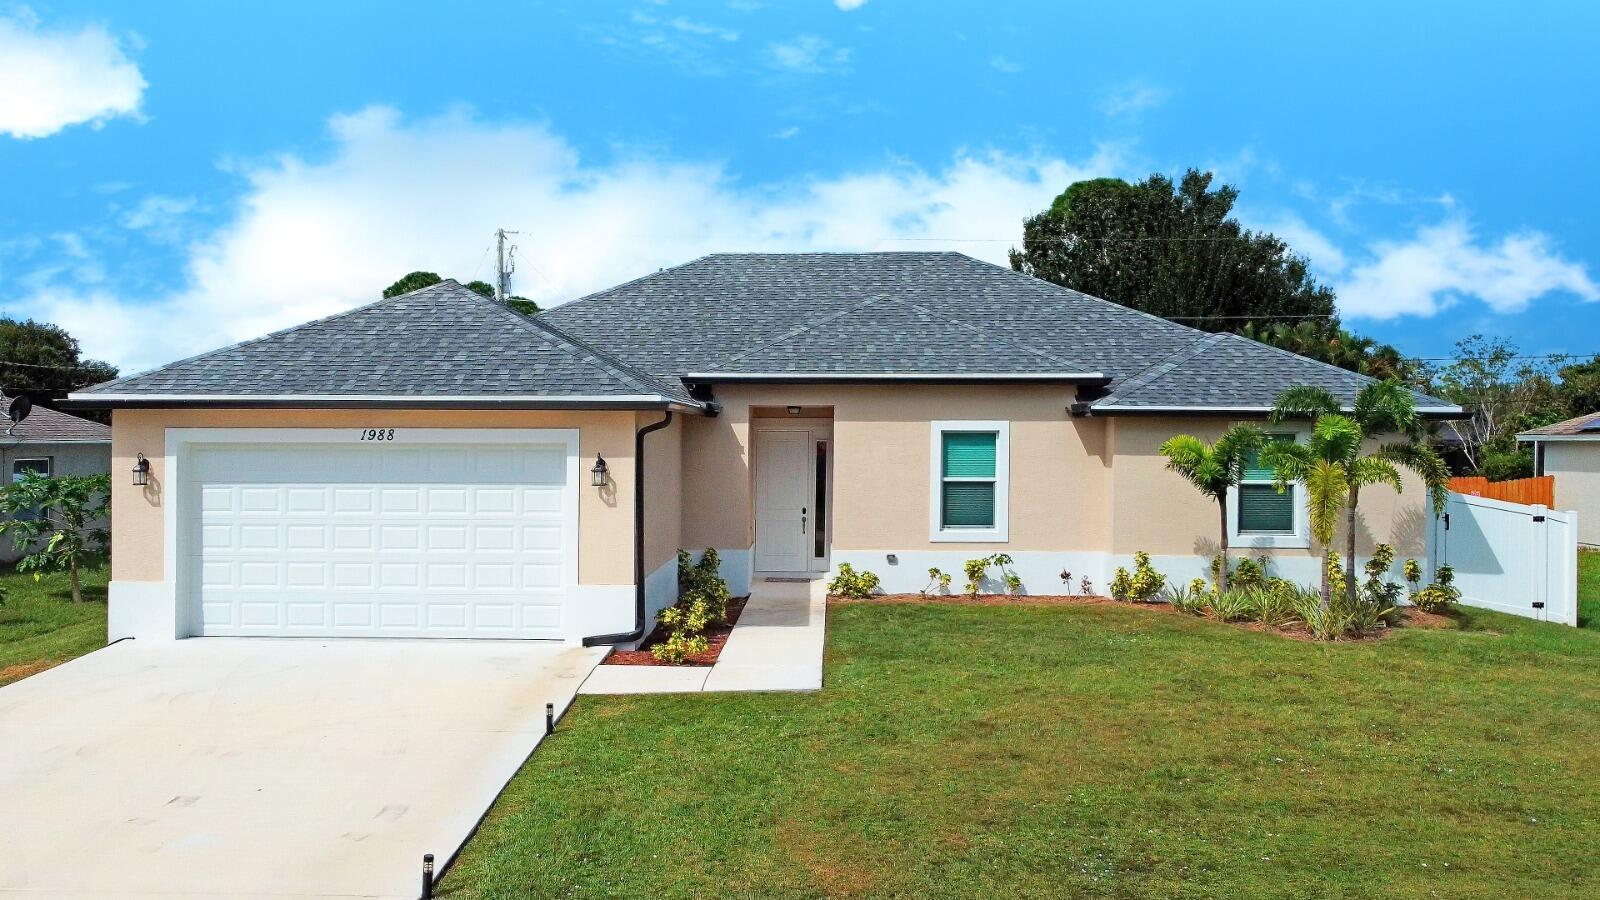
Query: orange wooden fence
(1540,490)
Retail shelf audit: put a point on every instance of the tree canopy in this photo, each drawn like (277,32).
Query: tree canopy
(43,361)
(1173,250)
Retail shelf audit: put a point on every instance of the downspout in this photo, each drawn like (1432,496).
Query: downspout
(639,624)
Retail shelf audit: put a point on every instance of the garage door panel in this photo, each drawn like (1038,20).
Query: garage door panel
(341,544)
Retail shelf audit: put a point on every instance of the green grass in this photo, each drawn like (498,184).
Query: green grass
(41,627)
(1589,589)
(1080,751)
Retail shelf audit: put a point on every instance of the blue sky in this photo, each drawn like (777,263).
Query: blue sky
(175,176)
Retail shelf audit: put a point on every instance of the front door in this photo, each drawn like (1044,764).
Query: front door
(784,517)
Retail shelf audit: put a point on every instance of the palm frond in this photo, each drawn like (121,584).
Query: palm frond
(1375,469)
(1335,437)
(1327,490)
(1237,442)
(1429,466)
(1383,407)
(1303,401)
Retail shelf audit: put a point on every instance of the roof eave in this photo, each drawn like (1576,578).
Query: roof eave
(1089,378)
(1531,437)
(1427,412)
(376,401)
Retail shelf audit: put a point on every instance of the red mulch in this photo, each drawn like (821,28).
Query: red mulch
(716,636)
(1411,617)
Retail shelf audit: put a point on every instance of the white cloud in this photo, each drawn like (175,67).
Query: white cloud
(50,79)
(808,55)
(1005,66)
(1326,256)
(789,133)
(316,236)
(689,26)
(160,216)
(1445,262)
(848,5)
(1132,99)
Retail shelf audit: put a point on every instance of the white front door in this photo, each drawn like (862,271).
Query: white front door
(379,540)
(784,518)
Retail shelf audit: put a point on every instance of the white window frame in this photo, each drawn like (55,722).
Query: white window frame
(1000,533)
(1300,539)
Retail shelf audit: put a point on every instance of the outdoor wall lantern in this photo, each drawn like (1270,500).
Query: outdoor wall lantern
(598,473)
(794,410)
(141,472)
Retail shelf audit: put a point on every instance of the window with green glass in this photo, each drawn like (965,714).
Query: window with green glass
(968,476)
(1262,509)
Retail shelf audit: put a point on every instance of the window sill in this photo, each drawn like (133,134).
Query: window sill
(1269,542)
(968,536)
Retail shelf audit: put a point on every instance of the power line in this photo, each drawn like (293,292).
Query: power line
(9,362)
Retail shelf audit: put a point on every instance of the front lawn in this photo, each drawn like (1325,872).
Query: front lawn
(1097,751)
(41,627)
(1589,589)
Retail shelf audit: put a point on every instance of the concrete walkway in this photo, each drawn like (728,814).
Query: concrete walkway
(776,646)
(241,767)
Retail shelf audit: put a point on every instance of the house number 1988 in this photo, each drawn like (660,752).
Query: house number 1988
(377,434)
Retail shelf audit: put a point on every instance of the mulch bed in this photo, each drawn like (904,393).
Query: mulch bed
(1410,617)
(716,636)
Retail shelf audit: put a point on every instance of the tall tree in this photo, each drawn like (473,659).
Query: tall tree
(1381,409)
(1169,249)
(1505,392)
(1214,469)
(416,281)
(58,523)
(44,361)
(1173,250)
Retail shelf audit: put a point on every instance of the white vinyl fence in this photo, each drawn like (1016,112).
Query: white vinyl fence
(1510,557)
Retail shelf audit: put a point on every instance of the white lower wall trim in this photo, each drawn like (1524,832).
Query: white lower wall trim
(660,591)
(146,610)
(592,609)
(1040,570)
(736,568)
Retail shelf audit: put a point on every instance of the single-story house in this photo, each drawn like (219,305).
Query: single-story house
(54,443)
(1570,451)
(436,464)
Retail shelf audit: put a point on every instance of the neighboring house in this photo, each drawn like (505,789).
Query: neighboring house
(437,465)
(50,443)
(1570,451)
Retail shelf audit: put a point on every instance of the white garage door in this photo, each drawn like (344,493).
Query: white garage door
(377,540)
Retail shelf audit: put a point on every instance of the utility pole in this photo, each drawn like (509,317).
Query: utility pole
(502,282)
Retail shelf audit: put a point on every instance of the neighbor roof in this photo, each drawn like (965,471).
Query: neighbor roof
(1587,425)
(48,426)
(731,316)
(441,344)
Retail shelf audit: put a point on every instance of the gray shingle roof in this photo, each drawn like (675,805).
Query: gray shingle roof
(822,313)
(49,426)
(1226,370)
(1580,425)
(440,341)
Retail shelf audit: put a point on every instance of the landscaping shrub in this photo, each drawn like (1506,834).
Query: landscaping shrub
(1192,598)
(1141,585)
(1085,587)
(1272,604)
(855,585)
(1246,574)
(1440,596)
(938,582)
(1231,606)
(976,569)
(702,602)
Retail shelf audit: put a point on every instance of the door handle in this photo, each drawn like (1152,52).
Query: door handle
(802,520)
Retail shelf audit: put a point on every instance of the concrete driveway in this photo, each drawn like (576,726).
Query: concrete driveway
(264,768)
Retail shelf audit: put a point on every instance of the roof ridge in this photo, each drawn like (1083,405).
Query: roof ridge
(595,295)
(589,353)
(444,282)
(797,330)
(1164,365)
(1061,288)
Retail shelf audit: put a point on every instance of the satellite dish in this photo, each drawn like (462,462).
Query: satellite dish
(19,409)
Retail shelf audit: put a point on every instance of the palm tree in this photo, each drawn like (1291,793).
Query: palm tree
(1214,469)
(1381,408)
(1322,464)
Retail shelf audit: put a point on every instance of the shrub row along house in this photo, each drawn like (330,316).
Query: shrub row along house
(436,464)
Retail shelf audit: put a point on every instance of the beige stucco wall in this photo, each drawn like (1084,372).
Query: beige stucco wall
(1156,510)
(1059,468)
(605,517)
(1576,467)
(663,492)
